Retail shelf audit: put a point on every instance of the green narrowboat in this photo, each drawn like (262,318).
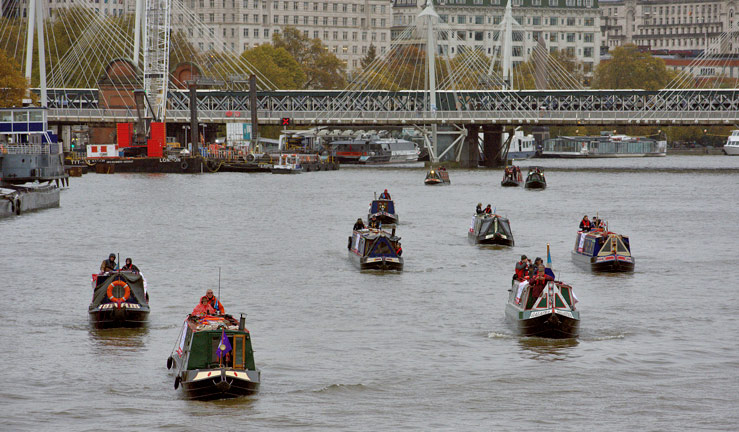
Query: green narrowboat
(490,229)
(545,311)
(214,359)
(535,179)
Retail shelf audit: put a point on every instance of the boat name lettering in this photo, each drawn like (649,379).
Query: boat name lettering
(564,313)
(538,313)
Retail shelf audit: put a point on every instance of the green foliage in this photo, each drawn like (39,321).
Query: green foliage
(276,64)
(322,69)
(12,81)
(370,57)
(631,69)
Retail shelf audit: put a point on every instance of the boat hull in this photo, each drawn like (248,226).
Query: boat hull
(376,263)
(115,317)
(545,324)
(536,184)
(510,183)
(221,385)
(435,182)
(384,218)
(731,150)
(489,239)
(286,171)
(608,264)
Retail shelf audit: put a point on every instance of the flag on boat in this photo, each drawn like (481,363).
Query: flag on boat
(224,345)
(183,334)
(548,269)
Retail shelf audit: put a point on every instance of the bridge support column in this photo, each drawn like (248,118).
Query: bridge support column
(470,155)
(492,139)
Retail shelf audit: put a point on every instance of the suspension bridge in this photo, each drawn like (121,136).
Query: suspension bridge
(414,83)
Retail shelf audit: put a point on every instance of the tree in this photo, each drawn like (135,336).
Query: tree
(276,64)
(630,68)
(13,83)
(322,69)
(370,57)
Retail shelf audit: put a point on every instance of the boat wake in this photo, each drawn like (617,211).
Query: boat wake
(342,388)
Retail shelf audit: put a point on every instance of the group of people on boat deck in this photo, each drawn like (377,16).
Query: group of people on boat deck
(109,265)
(209,305)
(512,172)
(385,195)
(534,275)
(587,225)
(480,210)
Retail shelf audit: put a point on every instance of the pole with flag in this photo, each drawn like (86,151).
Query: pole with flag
(224,346)
(548,270)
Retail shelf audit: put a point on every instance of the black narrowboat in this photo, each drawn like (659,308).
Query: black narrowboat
(535,179)
(438,176)
(490,229)
(511,177)
(119,299)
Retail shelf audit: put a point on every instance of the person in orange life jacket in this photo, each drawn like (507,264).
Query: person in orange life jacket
(399,249)
(213,302)
(585,224)
(203,308)
(130,267)
(488,210)
(385,195)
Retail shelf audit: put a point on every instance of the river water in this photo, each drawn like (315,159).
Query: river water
(427,349)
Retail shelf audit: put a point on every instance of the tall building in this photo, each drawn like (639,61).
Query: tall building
(669,26)
(347,28)
(19,8)
(572,26)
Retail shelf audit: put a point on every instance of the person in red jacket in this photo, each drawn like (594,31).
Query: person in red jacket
(213,302)
(203,308)
(539,282)
(585,224)
(522,268)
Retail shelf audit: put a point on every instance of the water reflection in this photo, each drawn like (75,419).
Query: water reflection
(548,349)
(124,338)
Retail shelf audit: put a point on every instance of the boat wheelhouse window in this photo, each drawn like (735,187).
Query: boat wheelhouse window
(382,247)
(621,248)
(486,224)
(504,227)
(239,347)
(606,248)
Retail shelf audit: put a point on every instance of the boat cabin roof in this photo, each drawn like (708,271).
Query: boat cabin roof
(601,233)
(213,322)
(372,233)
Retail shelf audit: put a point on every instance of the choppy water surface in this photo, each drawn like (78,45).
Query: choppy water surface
(427,349)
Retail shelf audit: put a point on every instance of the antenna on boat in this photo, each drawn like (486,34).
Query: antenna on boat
(119,262)
(219,283)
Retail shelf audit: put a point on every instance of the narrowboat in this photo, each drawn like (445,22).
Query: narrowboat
(511,177)
(535,179)
(384,211)
(214,358)
(119,299)
(600,250)
(438,176)
(374,249)
(550,314)
(490,229)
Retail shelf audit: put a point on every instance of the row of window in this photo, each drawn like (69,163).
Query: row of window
(291,5)
(497,19)
(287,19)
(554,3)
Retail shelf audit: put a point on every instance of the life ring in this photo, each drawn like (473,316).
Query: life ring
(250,157)
(184,165)
(126,293)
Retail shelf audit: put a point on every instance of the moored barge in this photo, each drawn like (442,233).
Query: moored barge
(214,358)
